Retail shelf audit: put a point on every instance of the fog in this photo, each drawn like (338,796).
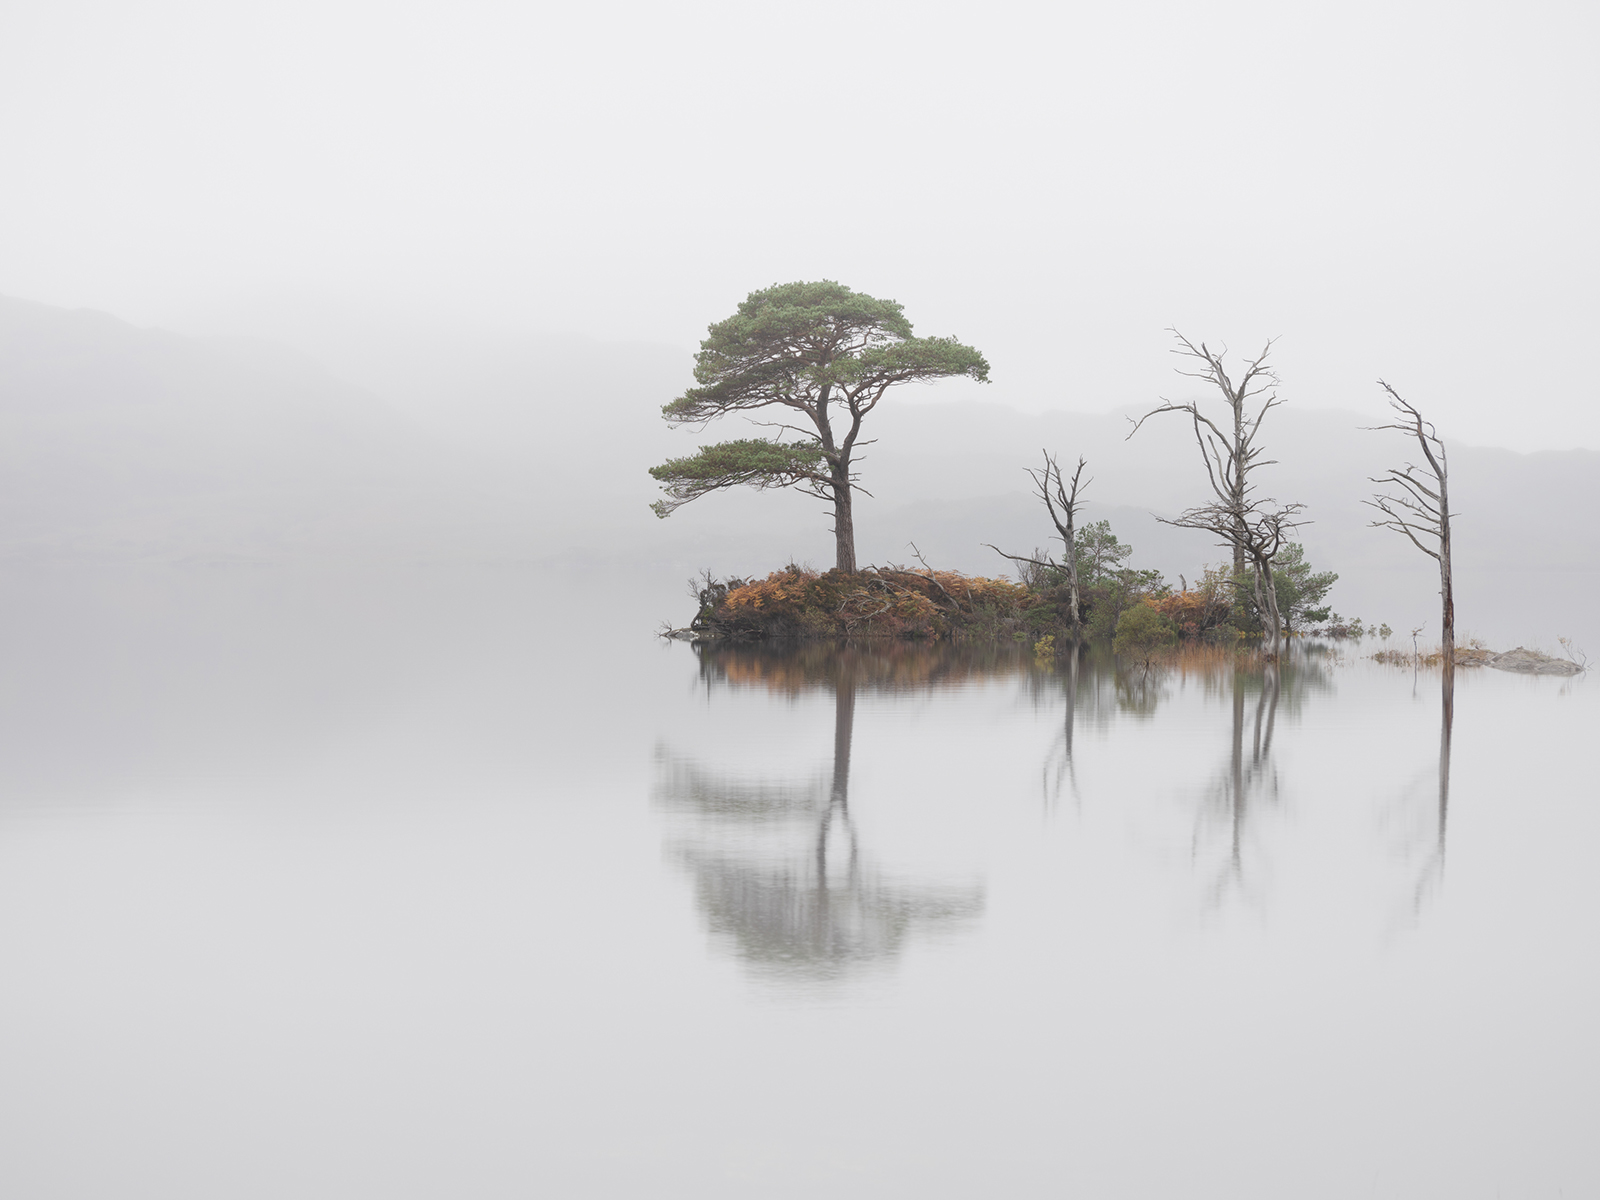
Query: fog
(358,835)
(141,445)
(1396,190)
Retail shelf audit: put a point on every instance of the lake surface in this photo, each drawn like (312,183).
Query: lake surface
(427,884)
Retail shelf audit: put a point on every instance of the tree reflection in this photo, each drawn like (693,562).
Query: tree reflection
(1059,765)
(1246,783)
(1424,844)
(778,867)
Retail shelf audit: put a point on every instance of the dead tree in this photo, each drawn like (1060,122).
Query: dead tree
(1254,529)
(1229,449)
(1061,498)
(1258,530)
(1420,509)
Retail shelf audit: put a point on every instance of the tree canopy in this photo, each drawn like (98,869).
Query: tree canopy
(826,353)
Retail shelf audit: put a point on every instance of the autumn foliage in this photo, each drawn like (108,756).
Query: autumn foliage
(878,602)
(1196,610)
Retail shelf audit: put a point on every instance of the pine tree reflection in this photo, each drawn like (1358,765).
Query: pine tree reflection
(778,868)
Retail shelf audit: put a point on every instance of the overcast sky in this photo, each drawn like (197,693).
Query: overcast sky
(1406,190)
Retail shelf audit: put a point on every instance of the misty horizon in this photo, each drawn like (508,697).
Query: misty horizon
(408,793)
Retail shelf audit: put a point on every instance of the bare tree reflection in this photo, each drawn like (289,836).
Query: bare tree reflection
(1059,765)
(1423,844)
(1447,720)
(1248,781)
(778,867)
(1227,843)
(1094,687)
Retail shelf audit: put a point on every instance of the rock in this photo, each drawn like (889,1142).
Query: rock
(1531,662)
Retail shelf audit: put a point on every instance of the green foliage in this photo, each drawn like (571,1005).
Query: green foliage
(803,341)
(1041,616)
(1300,590)
(1100,555)
(1106,587)
(754,461)
(1141,631)
(1116,592)
(814,348)
(1044,650)
(1342,627)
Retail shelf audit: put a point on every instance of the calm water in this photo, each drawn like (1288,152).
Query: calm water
(415,885)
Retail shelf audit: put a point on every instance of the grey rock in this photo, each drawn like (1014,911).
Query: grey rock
(1531,662)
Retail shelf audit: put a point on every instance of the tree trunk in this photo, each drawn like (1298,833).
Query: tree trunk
(1267,606)
(844,525)
(1073,611)
(1240,450)
(1447,594)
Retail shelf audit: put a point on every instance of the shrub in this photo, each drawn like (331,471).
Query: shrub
(878,602)
(1142,630)
(1197,610)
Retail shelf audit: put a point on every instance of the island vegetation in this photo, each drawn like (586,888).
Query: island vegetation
(818,354)
(1136,609)
(815,359)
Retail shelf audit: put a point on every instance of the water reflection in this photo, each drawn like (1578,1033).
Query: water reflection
(778,866)
(1245,784)
(1225,837)
(780,871)
(1447,720)
(1423,846)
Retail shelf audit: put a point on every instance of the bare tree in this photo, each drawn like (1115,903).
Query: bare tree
(1061,497)
(1229,450)
(1419,507)
(1255,529)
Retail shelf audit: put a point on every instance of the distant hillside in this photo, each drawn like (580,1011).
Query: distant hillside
(131,442)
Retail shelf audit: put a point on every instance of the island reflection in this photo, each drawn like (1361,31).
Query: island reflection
(780,874)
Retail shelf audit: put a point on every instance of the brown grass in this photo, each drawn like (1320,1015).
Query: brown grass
(884,602)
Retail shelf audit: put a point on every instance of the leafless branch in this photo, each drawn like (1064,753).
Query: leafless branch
(1418,506)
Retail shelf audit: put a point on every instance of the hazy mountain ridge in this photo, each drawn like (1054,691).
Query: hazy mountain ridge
(123,441)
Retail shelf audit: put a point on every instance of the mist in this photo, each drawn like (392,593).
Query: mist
(360,834)
(1397,191)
